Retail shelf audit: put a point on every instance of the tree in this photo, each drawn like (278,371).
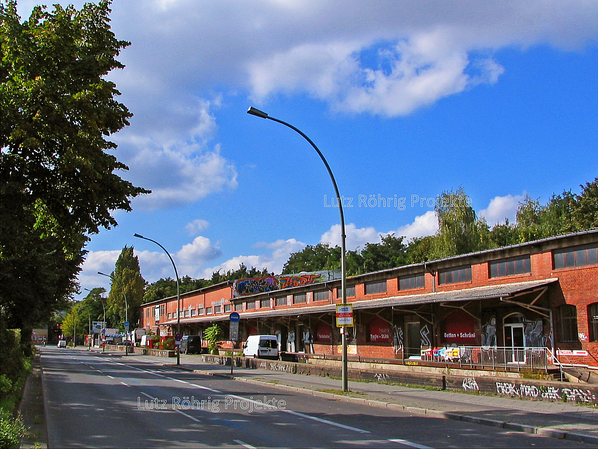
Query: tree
(241,273)
(313,258)
(126,292)
(57,180)
(164,288)
(585,210)
(459,230)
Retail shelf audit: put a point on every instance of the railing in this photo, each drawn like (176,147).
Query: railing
(491,357)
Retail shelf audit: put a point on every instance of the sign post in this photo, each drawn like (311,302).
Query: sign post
(127,340)
(233,336)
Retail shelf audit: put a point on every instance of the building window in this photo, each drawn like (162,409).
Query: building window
(200,311)
(228,308)
(218,309)
(169,316)
(299,298)
(577,256)
(265,303)
(593,321)
(322,295)
(249,305)
(568,315)
(187,313)
(350,293)
(453,275)
(372,288)
(238,307)
(510,267)
(281,301)
(193,312)
(413,281)
(208,310)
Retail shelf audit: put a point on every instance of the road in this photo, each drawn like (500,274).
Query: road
(101,401)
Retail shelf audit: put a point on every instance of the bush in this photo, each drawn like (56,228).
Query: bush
(12,430)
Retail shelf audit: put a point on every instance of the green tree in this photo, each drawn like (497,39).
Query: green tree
(213,335)
(585,209)
(126,291)
(313,258)
(57,180)
(459,229)
(503,234)
(241,273)
(164,288)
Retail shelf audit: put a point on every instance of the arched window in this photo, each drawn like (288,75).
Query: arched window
(568,319)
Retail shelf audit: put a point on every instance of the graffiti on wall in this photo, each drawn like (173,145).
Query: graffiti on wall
(298,280)
(397,338)
(252,286)
(425,336)
(545,392)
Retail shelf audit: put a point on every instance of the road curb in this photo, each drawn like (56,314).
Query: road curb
(516,427)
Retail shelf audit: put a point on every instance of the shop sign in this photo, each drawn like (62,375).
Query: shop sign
(379,330)
(459,328)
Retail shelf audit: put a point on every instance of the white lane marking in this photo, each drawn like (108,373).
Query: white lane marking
(409,443)
(242,443)
(185,414)
(125,384)
(261,404)
(325,421)
(110,377)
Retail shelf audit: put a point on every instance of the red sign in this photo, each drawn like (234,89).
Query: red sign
(324,333)
(379,330)
(459,328)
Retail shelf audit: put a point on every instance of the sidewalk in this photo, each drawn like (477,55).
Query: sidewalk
(554,419)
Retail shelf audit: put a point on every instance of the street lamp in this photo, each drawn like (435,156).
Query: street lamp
(126,310)
(178,294)
(261,114)
(104,309)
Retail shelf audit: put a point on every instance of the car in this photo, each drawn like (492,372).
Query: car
(191,344)
(61,344)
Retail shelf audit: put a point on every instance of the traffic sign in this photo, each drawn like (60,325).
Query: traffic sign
(344,315)
(235,317)
(178,337)
(126,324)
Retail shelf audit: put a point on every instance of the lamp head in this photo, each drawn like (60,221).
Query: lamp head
(138,236)
(257,112)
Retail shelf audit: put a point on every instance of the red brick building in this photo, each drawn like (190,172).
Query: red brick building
(509,302)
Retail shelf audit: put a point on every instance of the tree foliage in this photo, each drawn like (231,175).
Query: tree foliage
(241,273)
(58,182)
(164,288)
(126,290)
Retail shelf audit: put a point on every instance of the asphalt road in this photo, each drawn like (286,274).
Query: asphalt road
(101,401)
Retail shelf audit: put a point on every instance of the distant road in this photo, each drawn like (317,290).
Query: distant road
(97,401)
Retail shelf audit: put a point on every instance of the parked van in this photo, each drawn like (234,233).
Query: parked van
(261,346)
(191,344)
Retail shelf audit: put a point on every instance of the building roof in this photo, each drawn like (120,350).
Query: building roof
(469,294)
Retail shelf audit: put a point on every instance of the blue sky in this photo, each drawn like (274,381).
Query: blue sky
(406,99)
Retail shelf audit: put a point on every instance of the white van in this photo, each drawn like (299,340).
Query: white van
(261,346)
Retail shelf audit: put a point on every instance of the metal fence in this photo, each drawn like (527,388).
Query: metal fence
(491,357)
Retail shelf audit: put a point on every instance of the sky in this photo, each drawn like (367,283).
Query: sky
(406,100)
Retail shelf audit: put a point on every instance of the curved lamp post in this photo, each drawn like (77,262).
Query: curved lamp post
(261,114)
(126,308)
(178,293)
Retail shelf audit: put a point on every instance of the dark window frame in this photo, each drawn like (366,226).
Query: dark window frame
(376,287)
(455,275)
(568,323)
(412,281)
(575,256)
(510,267)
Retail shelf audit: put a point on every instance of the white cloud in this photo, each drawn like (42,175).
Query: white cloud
(95,261)
(196,226)
(501,208)
(422,226)
(272,260)
(356,237)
